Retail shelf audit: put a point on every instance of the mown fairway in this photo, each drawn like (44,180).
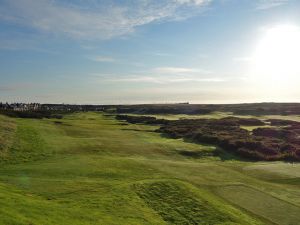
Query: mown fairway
(92,169)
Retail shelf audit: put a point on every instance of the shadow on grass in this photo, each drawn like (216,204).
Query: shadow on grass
(218,152)
(195,154)
(290,181)
(132,129)
(61,123)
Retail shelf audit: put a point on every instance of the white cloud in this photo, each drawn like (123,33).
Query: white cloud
(138,79)
(196,2)
(174,70)
(243,59)
(195,79)
(267,4)
(159,78)
(102,59)
(162,54)
(162,80)
(92,19)
(179,70)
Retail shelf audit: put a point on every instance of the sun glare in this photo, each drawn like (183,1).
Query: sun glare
(277,56)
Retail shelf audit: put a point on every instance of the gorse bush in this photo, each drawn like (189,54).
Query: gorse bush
(274,143)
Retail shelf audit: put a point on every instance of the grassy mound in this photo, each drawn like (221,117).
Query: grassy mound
(177,205)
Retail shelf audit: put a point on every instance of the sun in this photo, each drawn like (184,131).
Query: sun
(277,55)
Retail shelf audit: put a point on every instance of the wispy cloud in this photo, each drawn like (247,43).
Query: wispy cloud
(268,4)
(102,59)
(163,54)
(243,59)
(179,70)
(196,2)
(162,80)
(162,75)
(92,19)
(16,87)
(156,78)
(119,61)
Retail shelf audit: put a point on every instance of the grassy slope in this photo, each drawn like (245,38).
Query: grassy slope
(7,130)
(90,169)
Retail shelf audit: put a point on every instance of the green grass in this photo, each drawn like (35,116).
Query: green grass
(260,203)
(7,129)
(290,170)
(176,204)
(90,169)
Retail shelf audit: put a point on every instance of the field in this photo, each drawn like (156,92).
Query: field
(89,168)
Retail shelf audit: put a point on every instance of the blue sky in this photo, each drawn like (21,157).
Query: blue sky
(147,51)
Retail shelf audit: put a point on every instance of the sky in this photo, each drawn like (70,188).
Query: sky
(149,51)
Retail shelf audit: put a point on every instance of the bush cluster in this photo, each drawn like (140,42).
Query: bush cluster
(238,109)
(269,143)
(275,143)
(40,114)
(141,119)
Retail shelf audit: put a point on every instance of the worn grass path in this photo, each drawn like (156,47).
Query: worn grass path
(91,169)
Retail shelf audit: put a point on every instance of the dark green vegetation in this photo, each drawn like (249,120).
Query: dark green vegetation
(279,141)
(87,168)
(196,109)
(37,114)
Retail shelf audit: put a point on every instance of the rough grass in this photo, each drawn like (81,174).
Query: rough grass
(177,205)
(82,170)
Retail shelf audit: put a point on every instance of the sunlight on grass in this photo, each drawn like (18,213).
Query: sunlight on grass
(88,168)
